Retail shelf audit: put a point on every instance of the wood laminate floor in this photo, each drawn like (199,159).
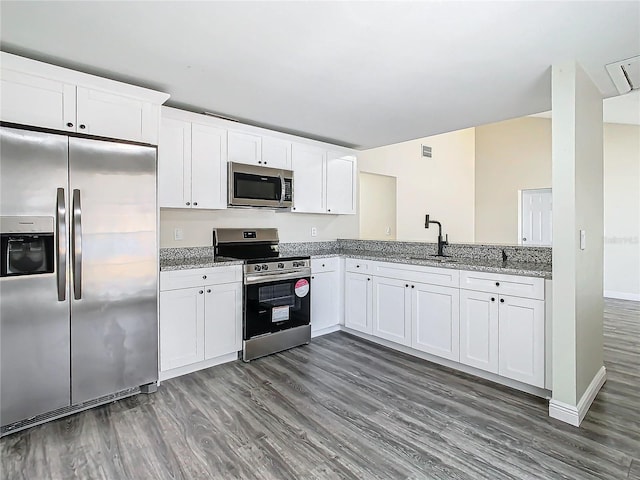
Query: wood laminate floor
(345,408)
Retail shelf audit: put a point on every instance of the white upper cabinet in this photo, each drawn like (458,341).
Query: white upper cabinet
(341,183)
(33,100)
(107,114)
(245,148)
(174,163)
(309,179)
(208,167)
(323,181)
(192,166)
(276,153)
(42,95)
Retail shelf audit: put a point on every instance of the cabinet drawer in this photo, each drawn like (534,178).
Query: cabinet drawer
(446,277)
(515,285)
(330,264)
(200,276)
(357,266)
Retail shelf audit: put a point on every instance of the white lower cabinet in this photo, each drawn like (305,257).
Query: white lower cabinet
(504,335)
(435,320)
(198,323)
(181,327)
(521,340)
(325,307)
(357,312)
(392,310)
(479,330)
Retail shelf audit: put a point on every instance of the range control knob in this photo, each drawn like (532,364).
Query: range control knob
(265,267)
(257,268)
(281,265)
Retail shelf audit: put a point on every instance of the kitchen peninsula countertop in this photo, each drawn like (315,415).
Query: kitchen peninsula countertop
(528,269)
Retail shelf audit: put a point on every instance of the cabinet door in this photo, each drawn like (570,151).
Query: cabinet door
(521,343)
(174,164)
(341,183)
(479,330)
(308,179)
(324,300)
(37,101)
(223,319)
(392,310)
(245,148)
(181,327)
(208,167)
(107,114)
(435,314)
(358,302)
(276,153)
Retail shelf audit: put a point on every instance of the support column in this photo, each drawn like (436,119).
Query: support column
(578,231)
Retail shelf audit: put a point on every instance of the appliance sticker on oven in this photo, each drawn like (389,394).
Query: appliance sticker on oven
(279,314)
(302,288)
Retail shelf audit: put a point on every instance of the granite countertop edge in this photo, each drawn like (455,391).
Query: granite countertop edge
(541,270)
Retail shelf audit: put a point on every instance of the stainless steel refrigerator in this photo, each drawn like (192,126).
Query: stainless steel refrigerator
(79,273)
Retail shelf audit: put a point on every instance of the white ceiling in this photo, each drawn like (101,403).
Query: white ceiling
(360,74)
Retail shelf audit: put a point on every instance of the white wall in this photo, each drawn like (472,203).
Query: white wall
(442,186)
(622,211)
(197,225)
(578,204)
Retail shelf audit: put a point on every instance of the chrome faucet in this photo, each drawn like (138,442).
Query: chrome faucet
(441,242)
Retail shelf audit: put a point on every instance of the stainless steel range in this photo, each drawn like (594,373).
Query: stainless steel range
(277,291)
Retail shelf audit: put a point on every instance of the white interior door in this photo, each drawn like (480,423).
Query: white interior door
(536,224)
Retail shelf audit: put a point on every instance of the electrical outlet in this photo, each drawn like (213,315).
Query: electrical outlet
(178,234)
(314,232)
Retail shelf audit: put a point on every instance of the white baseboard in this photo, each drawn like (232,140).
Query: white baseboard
(194,367)
(622,295)
(573,415)
(324,331)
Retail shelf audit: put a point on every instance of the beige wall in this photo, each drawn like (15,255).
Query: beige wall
(293,227)
(622,211)
(516,155)
(578,204)
(377,207)
(442,186)
(510,156)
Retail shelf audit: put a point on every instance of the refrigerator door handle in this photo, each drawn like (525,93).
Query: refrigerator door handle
(76,245)
(61,234)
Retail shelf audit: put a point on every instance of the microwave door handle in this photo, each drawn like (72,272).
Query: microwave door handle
(61,235)
(76,244)
(282,188)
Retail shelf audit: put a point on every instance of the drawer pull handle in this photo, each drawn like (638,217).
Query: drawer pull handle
(406,285)
(368,279)
(502,300)
(208,290)
(323,264)
(413,286)
(497,284)
(493,299)
(204,277)
(200,292)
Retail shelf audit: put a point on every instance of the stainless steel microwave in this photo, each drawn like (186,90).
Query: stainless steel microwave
(253,186)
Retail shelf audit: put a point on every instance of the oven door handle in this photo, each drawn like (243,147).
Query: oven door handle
(254,279)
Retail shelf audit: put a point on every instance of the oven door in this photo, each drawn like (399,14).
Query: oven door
(276,304)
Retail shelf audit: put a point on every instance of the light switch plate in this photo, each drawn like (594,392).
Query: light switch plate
(314,232)
(583,240)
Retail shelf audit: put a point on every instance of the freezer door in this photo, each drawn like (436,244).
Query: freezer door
(114,267)
(34,309)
